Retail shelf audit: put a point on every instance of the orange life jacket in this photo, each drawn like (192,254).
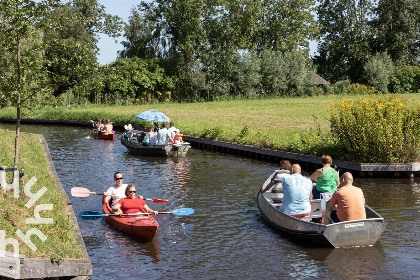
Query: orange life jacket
(178,137)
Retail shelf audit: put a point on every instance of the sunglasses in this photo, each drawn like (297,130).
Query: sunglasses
(119,178)
(132,191)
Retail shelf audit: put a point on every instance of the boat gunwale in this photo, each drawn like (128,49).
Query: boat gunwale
(155,150)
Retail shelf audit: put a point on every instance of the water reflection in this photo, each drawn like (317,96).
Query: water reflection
(350,263)
(131,248)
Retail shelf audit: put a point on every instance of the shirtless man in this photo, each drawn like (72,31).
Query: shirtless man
(347,203)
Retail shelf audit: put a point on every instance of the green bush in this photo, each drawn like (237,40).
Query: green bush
(340,86)
(246,79)
(378,71)
(286,74)
(376,129)
(359,89)
(406,79)
(126,81)
(345,87)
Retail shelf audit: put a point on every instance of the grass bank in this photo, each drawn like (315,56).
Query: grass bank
(60,242)
(290,124)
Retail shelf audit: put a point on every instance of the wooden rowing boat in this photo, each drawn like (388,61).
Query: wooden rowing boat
(136,148)
(344,234)
(105,136)
(143,227)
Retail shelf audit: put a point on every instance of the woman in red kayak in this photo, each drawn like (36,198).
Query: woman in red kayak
(132,204)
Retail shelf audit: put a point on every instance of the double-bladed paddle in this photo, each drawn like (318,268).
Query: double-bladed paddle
(93,215)
(83,192)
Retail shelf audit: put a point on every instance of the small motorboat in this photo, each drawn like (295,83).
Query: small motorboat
(143,227)
(104,136)
(311,229)
(136,148)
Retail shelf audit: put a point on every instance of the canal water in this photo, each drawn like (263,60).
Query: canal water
(226,238)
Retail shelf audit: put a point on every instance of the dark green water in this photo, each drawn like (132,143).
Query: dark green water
(225,238)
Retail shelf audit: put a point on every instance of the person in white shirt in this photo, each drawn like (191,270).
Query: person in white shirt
(117,191)
(172,130)
(153,136)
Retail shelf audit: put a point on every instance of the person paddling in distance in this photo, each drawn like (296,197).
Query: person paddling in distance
(117,191)
(132,204)
(327,179)
(98,125)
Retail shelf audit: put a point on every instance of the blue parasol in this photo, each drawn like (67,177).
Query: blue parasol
(153,116)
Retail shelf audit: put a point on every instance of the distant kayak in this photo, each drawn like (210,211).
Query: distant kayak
(104,136)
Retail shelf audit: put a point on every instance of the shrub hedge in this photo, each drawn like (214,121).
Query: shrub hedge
(376,129)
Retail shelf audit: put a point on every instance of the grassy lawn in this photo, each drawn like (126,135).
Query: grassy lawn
(278,123)
(60,240)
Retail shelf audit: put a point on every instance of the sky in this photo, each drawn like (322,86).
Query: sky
(108,48)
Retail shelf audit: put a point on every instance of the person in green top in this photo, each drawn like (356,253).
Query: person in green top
(327,179)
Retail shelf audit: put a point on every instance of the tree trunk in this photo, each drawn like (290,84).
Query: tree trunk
(18,105)
(17,135)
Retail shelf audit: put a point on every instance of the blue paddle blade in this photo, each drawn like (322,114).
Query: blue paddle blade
(90,215)
(183,211)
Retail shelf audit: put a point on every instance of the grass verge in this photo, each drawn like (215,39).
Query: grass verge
(60,242)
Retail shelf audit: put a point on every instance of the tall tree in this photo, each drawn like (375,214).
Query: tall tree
(22,74)
(397,30)
(278,25)
(344,46)
(71,49)
(146,32)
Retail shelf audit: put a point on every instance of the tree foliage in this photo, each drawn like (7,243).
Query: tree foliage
(212,46)
(345,47)
(125,81)
(22,76)
(379,71)
(397,30)
(406,79)
(71,50)
(352,31)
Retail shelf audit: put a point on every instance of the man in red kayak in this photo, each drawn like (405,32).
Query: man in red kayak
(132,204)
(117,191)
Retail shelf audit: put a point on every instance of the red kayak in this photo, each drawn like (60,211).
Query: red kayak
(105,136)
(143,227)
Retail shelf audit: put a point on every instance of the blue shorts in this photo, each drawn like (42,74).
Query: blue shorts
(315,193)
(334,216)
